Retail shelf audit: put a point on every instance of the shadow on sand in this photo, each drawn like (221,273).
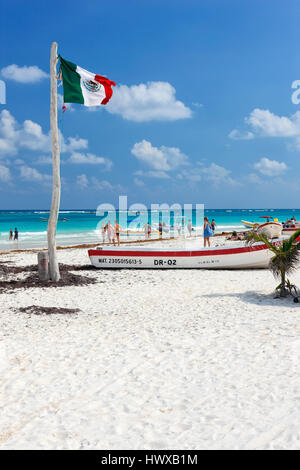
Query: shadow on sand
(257,298)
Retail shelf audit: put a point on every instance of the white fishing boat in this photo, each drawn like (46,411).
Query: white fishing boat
(237,256)
(272,229)
(290,230)
(285,230)
(250,224)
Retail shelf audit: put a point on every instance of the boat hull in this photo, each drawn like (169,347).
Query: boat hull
(290,230)
(270,229)
(250,224)
(233,257)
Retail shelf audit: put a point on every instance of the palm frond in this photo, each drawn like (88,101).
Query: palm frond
(277,265)
(253,237)
(287,258)
(293,238)
(293,258)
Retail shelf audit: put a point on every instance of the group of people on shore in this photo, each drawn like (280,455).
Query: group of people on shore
(180,226)
(110,232)
(13,235)
(289,222)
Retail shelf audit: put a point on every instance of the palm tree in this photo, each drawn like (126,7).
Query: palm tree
(285,260)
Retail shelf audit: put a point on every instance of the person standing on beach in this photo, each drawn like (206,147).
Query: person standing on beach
(117,232)
(160,229)
(103,229)
(148,230)
(113,234)
(190,227)
(110,232)
(207,233)
(179,228)
(16,237)
(213,225)
(10,234)
(183,227)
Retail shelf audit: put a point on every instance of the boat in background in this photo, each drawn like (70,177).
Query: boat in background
(271,229)
(290,230)
(250,224)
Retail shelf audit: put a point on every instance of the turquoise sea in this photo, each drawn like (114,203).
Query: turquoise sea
(84,226)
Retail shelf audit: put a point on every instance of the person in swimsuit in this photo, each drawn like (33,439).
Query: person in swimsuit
(207,233)
(117,232)
(179,228)
(160,229)
(213,225)
(146,231)
(16,237)
(190,227)
(103,230)
(11,234)
(110,232)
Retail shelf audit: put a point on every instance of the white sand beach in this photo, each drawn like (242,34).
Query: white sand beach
(163,359)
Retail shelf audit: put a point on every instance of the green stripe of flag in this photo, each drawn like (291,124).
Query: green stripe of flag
(71,82)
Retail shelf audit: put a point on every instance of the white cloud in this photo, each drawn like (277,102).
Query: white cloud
(82,181)
(264,123)
(268,124)
(6,147)
(25,74)
(74,143)
(214,173)
(33,138)
(218,174)
(15,137)
(89,159)
(235,134)
(153,174)
(270,167)
(197,105)
(101,185)
(95,184)
(8,134)
(31,174)
(138,182)
(60,103)
(43,160)
(153,101)
(192,175)
(161,159)
(4,174)
(254,178)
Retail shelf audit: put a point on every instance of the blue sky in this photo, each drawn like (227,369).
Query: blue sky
(202,112)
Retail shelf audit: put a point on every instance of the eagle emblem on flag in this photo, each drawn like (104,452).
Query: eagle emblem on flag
(91,86)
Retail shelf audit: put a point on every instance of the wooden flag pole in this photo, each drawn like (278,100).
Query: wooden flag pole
(52,223)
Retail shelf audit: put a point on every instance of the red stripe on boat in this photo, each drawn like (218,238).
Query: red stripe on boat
(174,254)
(269,223)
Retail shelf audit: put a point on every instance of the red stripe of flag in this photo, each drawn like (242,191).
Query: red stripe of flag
(107,86)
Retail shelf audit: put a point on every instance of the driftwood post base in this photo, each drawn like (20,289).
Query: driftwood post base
(43,265)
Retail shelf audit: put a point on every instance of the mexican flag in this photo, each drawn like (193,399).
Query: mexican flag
(81,86)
